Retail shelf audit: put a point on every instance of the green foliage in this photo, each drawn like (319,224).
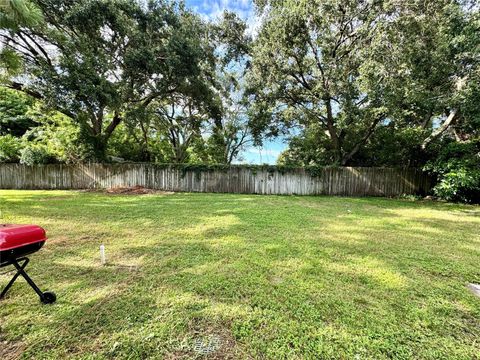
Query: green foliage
(40,136)
(93,60)
(393,145)
(169,125)
(458,172)
(428,65)
(360,83)
(17,13)
(128,144)
(10,63)
(61,137)
(230,38)
(9,148)
(193,124)
(40,131)
(311,147)
(231,135)
(336,71)
(389,146)
(460,185)
(34,154)
(306,73)
(17,113)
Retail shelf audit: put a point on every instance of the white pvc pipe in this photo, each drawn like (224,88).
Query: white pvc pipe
(102,254)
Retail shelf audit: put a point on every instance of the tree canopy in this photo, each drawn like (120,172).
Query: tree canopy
(92,60)
(338,71)
(342,82)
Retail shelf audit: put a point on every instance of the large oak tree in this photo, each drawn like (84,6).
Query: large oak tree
(92,60)
(337,71)
(306,71)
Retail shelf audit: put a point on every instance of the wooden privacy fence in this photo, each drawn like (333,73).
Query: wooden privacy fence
(347,181)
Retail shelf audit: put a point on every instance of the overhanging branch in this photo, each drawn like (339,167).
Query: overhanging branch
(441,129)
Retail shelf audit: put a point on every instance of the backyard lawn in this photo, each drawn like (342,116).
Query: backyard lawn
(242,276)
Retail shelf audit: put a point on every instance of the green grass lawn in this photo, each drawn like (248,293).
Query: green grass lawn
(264,277)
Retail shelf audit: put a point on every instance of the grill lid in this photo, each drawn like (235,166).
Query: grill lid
(13,236)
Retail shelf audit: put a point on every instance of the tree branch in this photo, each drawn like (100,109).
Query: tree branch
(441,129)
(39,47)
(362,141)
(319,64)
(117,119)
(21,87)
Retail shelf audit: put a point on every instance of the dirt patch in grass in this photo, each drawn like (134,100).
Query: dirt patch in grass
(135,190)
(130,190)
(11,350)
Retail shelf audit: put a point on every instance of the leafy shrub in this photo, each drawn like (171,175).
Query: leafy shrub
(59,137)
(461,185)
(36,154)
(458,171)
(9,148)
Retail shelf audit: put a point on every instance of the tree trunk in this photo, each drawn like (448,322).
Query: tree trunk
(332,131)
(347,157)
(99,147)
(97,139)
(146,156)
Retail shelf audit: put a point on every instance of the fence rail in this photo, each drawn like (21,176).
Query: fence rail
(346,181)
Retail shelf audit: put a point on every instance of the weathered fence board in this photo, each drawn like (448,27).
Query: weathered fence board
(354,181)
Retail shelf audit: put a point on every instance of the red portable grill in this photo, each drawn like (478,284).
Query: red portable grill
(17,241)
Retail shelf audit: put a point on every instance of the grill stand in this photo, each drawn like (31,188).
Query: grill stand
(46,297)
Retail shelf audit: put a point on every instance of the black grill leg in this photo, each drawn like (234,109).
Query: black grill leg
(21,271)
(18,267)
